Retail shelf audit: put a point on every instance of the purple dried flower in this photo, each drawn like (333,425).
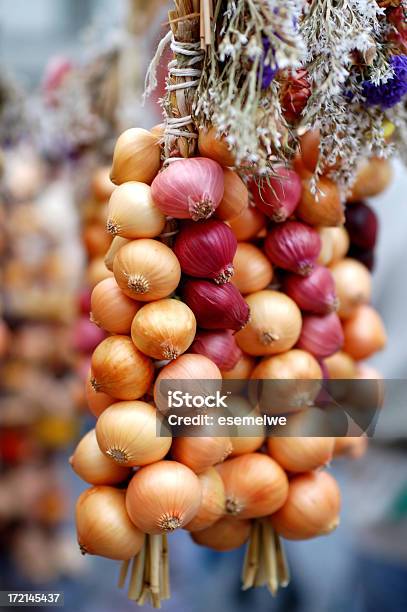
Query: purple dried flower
(390,93)
(268,72)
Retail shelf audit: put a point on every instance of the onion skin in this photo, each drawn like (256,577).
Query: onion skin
(97,401)
(95,240)
(111,309)
(362,226)
(96,272)
(90,464)
(214,147)
(340,366)
(120,369)
(255,485)
(278,196)
(136,157)
(216,307)
(274,326)
(242,369)
(248,223)
(127,432)
(235,197)
(354,447)
(219,346)
(335,245)
(321,336)
(225,535)
(311,509)
(364,333)
(323,209)
(191,188)
(200,453)
(101,185)
(216,240)
(212,506)
(253,271)
(293,246)
(116,244)
(162,497)
(374,176)
(301,454)
(314,293)
(86,335)
(353,285)
(103,526)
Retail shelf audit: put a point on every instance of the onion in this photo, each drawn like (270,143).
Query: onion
(309,145)
(350,446)
(353,285)
(216,306)
(311,509)
(117,244)
(93,466)
(274,326)
(86,335)
(248,223)
(97,401)
(374,176)
(111,309)
(189,189)
(364,333)
(300,454)
(278,196)
(132,212)
(255,485)
(136,157)
(324,208)
(314,293)
(101,184)
(253,271)
(340,366)
(215,147)
(367,258)
(120,370)
(212,505)
(219,346)
(200,453)
(103,526)
(235,197)
(127,432)
(97,272)
(247,438)
(335,244)
(213,238)
(225,535)
(321,336)
(362,225)
(293,246)
(163,497)
(242,369)
(163,329)
(95,239)
(146,270)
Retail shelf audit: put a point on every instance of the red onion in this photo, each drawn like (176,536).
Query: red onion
(278,196)
(293,246)
(216,306)
(362,225)
(206,250)
(86,335)
(321,336)
(189,189)
(314,293)
(84,300)
(219,346)
(366,257)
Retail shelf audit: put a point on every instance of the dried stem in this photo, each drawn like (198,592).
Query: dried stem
(123,574)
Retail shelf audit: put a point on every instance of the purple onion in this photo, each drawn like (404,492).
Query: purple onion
(362,225)
(321,336)
(219,346)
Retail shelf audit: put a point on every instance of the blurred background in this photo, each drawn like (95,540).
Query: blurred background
(71,78)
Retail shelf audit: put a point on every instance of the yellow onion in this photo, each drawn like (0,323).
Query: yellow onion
(95,240)
(111,309)
(215,147)
(132,212)
(226,534)
(312,507)
(242,369)
(340,366)
(96,400)
(146,270)
(97,272)
(103,526)
(301,454)
(322,209)
(200,453)
(235,197)
(212,506)
(364,333)
(245,438)
(163,496)
(373,177)
(253,271)
(127,432)
(101,184)
(90,464)
(164,329)
(335,244)
(353,285)
(248,223)
(120,369)
(255,485)
(136,157)
(274,326)
(116,244)
(354,447)
(158,132)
